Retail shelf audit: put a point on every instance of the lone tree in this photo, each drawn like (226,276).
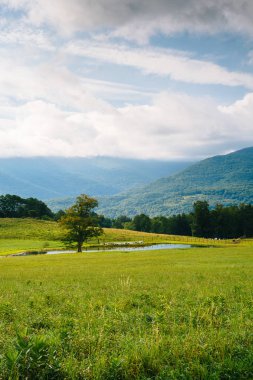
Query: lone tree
(80,221)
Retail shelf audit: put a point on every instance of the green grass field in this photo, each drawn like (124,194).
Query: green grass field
(170,314)
(175,314)
(19,235)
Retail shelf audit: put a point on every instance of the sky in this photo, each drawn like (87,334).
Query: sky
(159,79)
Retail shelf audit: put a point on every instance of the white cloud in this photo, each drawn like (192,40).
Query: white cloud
(49,106)
(240,114)
(42,129)
(139,19)
(176,65)
(49,81)
(115,91)
(28,76)
(17,33)
(173,126)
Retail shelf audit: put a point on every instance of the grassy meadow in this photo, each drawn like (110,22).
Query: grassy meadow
(169,314)
(19,235)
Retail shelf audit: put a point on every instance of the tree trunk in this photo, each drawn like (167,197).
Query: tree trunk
(79,247)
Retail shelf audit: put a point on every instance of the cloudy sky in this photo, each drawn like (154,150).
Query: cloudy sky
(165,79)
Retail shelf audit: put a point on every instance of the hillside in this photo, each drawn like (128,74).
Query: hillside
(58,177)
(224,179)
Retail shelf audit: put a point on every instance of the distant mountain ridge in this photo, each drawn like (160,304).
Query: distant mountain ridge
(224,179)
(59,177)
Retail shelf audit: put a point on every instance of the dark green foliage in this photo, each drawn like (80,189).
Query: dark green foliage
(221,222)
(142,223)
(179,225)
(13,206)
(231,222)
(120,221)
(36,209)
(226,221)
(33,357)
(59,214)
(201,220)
(104,222)
(246,220)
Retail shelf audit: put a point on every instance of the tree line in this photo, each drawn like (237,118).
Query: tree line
(221,222)
(13,206)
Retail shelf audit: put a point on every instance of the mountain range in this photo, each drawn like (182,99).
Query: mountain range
(129,186)
(226,179)
(58,177)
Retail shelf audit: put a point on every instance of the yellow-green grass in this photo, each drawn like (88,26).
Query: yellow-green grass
(13,246)
(112,234)
(17,235)
(12,228)
(173,314)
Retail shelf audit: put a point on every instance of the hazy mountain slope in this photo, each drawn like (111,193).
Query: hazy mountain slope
(225,179)
(49,177)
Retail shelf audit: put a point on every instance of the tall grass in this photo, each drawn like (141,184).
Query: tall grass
(176,314)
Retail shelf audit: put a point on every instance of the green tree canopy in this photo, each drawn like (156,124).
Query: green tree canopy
(142,223)
(80,222)
(13,206)
(201,220)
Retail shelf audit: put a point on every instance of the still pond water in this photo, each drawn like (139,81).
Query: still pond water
(129,249)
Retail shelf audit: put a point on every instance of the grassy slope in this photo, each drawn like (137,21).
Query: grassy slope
(17,235)
(148,315)
(11,228)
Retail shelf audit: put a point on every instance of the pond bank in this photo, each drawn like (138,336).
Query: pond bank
(117,247)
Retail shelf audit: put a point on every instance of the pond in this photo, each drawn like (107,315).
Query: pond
(128,249)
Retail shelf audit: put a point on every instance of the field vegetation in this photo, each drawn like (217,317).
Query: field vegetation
(176,314)
(19,235)
(172,314)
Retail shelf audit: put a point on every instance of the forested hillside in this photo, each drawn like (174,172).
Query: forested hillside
(224,179)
